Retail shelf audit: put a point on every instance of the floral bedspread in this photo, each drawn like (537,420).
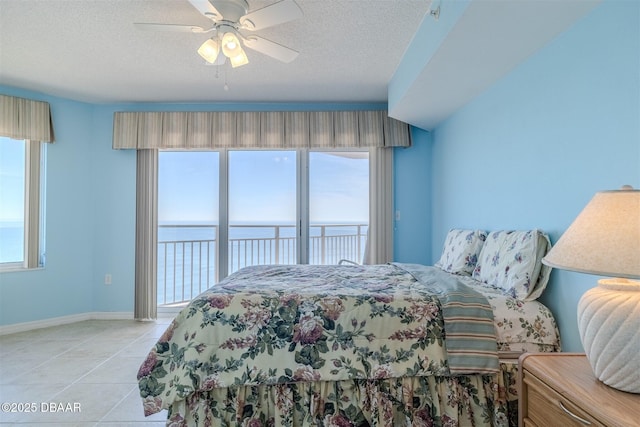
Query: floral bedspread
(267,325)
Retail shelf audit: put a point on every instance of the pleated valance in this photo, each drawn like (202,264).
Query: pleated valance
(260,129)
(25,119)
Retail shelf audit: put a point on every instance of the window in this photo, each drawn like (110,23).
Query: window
(21,204)
(262,207)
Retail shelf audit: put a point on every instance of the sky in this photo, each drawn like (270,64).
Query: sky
(262,187)
(12,157)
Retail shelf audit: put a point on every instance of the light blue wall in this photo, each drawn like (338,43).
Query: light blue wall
(114,202)
(533,149)
(65,286)
(412,199)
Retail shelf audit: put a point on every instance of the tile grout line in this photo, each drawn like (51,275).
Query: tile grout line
(122,343)
(97,366)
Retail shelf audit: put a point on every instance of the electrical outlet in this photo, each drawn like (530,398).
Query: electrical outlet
(398,215)
(107,279)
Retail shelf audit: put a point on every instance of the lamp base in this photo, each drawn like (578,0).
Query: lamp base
(608,321)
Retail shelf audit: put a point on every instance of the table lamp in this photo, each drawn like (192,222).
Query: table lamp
(605,240)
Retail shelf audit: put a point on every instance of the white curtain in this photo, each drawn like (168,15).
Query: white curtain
(33,208)
(379,248)
(25,119)
(265,129)
(146,299)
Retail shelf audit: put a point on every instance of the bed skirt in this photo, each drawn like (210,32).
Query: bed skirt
(470,400)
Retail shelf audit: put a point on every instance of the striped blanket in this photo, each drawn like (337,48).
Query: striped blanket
(468,321)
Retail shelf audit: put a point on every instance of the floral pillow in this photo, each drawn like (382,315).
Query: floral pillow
(512,261)
(461,251)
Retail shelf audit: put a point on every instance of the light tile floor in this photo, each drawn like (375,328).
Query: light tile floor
(88,369)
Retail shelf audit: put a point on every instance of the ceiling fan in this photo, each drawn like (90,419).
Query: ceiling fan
(228,18)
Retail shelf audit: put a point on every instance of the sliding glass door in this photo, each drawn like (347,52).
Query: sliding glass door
(220,211)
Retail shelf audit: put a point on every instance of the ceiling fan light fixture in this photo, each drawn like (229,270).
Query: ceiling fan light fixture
(209,50)
(239,60)
(231,45)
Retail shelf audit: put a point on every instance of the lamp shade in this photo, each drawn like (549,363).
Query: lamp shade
(604,239)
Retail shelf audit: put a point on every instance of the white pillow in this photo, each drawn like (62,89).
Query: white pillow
(512,261)
(461,251)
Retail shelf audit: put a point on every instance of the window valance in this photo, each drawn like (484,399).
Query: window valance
(25,119)
(261,129)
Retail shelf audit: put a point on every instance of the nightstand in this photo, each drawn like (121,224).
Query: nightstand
(560,389)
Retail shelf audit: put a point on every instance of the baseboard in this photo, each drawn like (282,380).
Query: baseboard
(64,320)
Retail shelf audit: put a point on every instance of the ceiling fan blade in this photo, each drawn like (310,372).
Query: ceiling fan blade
(272,49)
(277,13)
(206,9)
(175,28)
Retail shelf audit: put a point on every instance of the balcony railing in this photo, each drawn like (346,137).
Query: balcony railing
(188,255)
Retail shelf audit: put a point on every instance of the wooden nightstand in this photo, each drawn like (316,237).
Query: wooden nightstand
(560,389)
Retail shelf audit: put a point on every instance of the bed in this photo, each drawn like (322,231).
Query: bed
(350,345)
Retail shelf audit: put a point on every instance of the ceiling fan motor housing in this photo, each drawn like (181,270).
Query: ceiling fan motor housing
(231,10)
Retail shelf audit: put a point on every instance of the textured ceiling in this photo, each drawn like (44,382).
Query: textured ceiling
(89,50)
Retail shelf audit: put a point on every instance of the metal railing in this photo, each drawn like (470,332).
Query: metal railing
(188,254)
